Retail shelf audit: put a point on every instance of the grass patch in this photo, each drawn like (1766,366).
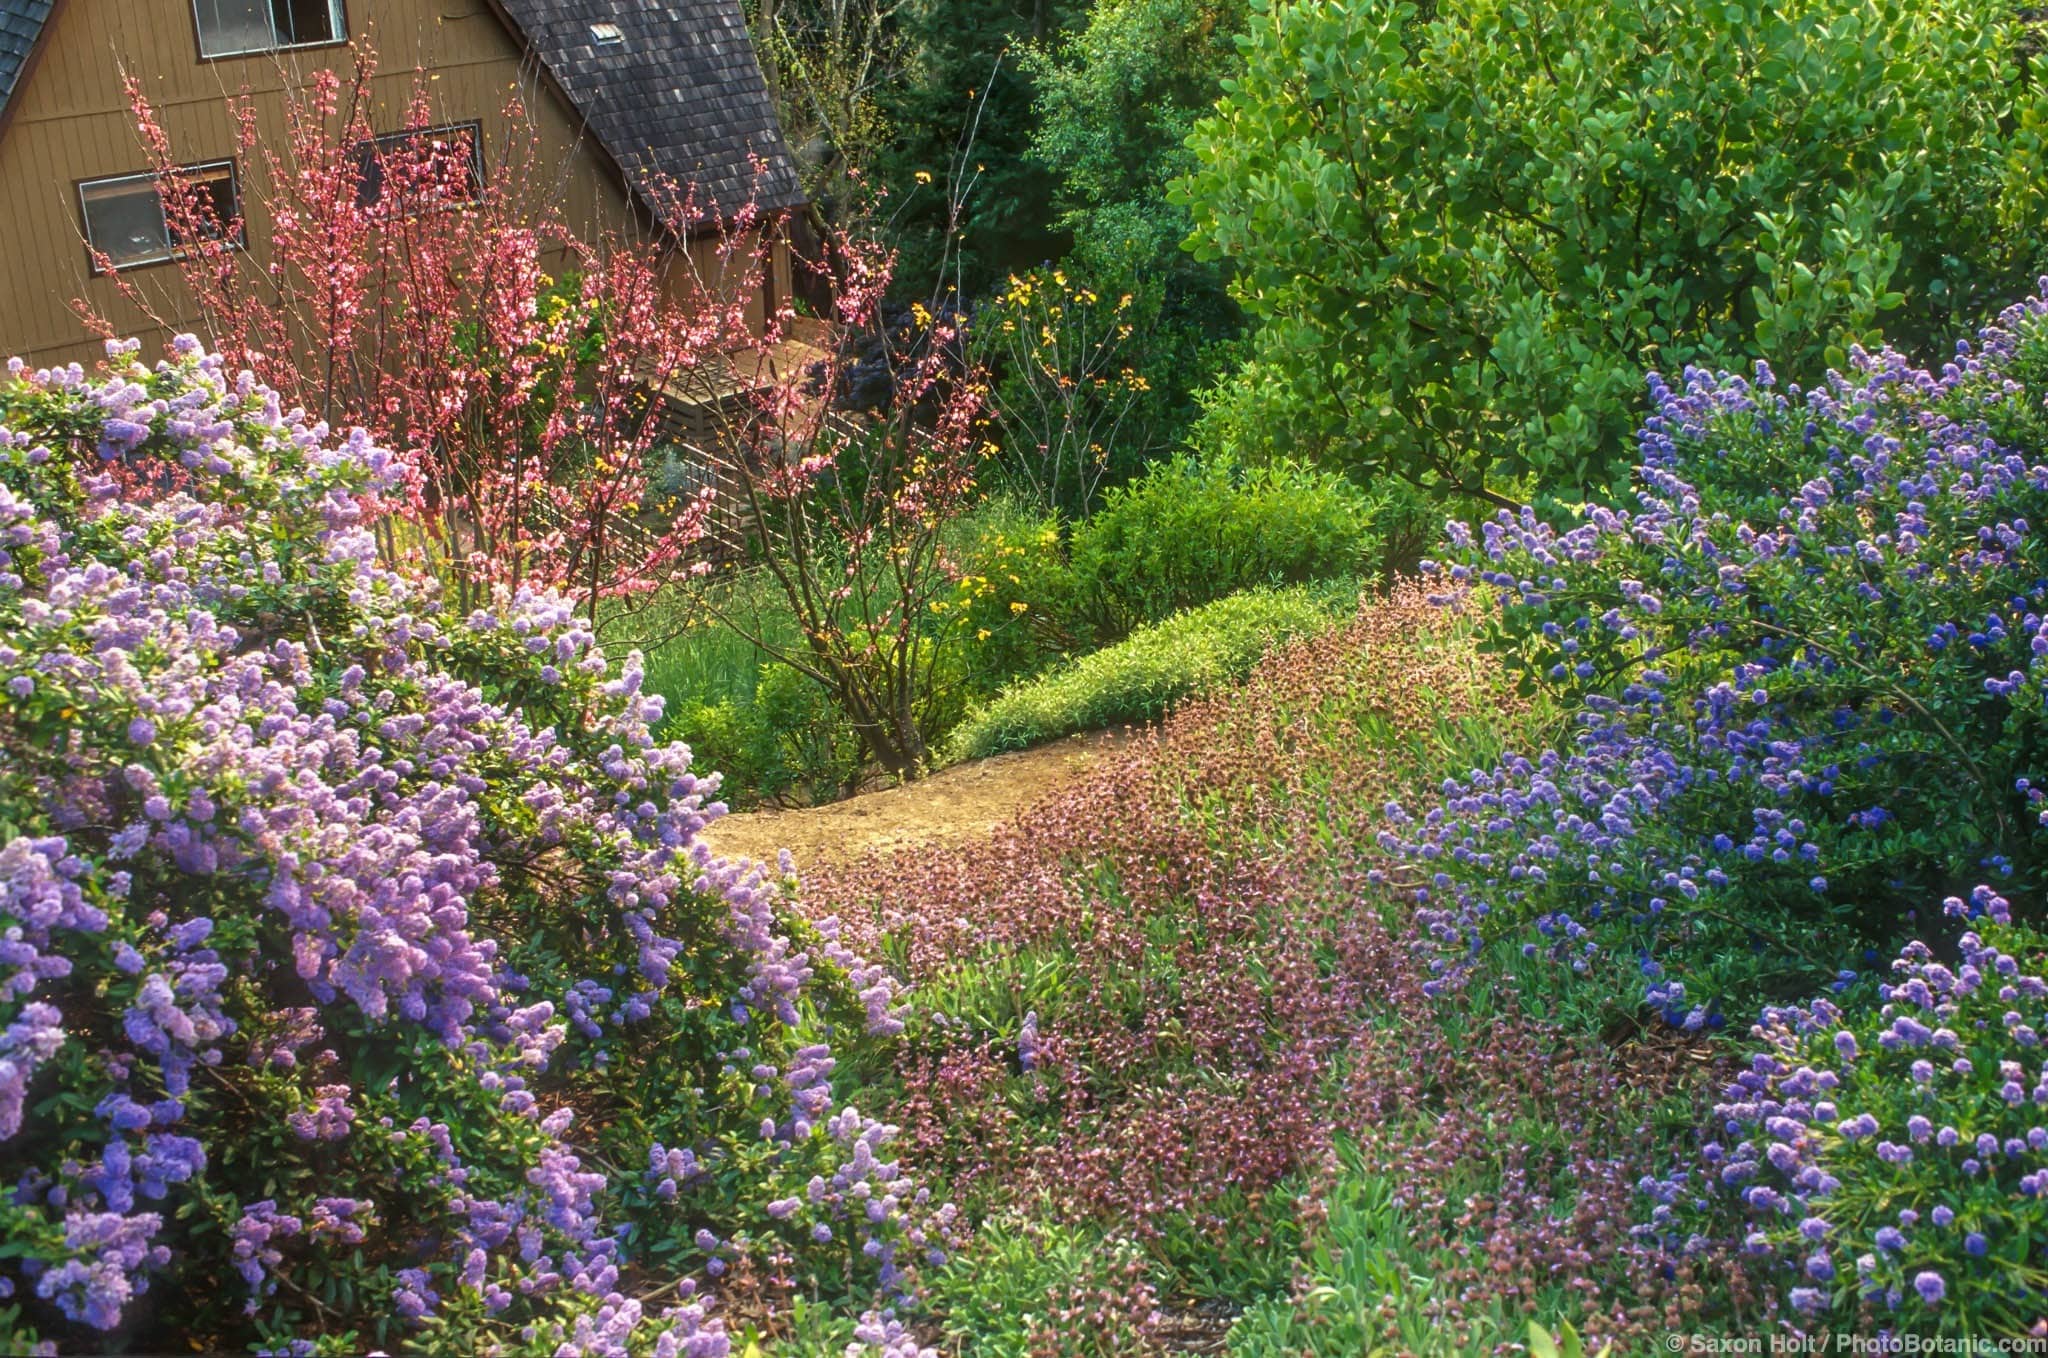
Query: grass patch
(691,657)
(1144,676)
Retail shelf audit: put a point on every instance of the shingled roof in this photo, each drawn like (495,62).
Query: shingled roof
(676,98)
(21,23)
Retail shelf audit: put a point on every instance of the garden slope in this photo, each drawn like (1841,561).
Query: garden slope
(953,804)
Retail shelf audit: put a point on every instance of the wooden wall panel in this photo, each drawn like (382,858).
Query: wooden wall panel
(73,123)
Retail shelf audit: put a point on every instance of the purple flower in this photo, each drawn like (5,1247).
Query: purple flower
(1930,1286)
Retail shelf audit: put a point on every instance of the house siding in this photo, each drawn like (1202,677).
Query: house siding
(72,122)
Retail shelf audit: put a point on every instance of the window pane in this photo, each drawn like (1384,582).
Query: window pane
(214,205)
(125,221)
(420,168)
(301,22)
(230,26)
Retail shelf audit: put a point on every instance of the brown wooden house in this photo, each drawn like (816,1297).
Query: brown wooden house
(624,96)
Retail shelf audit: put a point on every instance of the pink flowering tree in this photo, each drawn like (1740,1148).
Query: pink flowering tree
(520,369)
(849,482)
(458,318)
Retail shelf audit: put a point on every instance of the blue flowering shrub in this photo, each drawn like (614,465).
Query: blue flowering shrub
(1886,1164)
(1805,677)
(363,980)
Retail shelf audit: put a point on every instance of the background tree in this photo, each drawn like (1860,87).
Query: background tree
(828,64)
(1465,228)
(971,205)
(1115,101)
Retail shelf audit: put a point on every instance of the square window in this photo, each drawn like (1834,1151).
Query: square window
(230,28)
(420,168)
(125,220)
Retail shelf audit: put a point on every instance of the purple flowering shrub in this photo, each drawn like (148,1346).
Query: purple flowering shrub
(364,980)
(1886,1163)
(1806,680)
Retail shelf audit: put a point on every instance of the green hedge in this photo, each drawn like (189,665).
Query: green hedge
(1143,676)
(1190,531)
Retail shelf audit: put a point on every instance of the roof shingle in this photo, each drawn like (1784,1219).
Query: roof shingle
(677,99)
(21,23)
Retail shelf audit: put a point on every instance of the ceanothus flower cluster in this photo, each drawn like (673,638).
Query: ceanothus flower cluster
(338,905)
(1806,682)
(1894,1159)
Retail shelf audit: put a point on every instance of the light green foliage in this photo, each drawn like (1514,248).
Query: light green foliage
(1371,1290)
(784,742)
(1190,531)
(1000,1298)
(774,736)
(1468,227)
(1141,677)
(1014,590)
(690,657)
(1564,1344)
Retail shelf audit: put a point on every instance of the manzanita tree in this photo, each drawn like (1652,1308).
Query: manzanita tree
(515,359)
(1466,228)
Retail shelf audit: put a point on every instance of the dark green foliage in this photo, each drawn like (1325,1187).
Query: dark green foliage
(1115,104)
(961,118)
(1468,227)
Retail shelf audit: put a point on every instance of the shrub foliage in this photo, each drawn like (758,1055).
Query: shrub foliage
(366,983)
(1145,675)
(1467,227)
(1806,681)
(1806,675)
(1190,531)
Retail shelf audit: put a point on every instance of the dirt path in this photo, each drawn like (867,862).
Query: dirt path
(952,804)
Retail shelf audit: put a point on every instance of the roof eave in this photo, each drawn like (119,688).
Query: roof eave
(28,68)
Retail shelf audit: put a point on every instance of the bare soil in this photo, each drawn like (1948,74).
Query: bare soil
(954,804)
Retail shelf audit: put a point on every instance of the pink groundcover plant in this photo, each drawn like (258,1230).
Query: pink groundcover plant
(364,978)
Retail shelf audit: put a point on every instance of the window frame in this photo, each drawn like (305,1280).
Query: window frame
(376,141)
(199,38)
(173,252)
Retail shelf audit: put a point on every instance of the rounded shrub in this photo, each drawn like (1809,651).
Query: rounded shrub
(364,981)
(1144,676)
(1806,678)
(1014,604)
(1191,531)
(1464,227)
